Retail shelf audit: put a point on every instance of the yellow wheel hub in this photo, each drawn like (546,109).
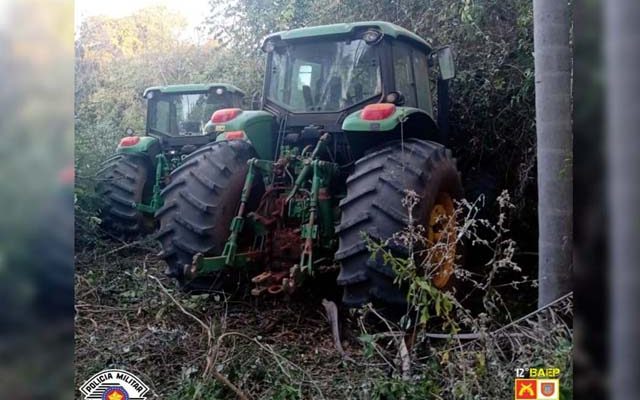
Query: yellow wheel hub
(441,239)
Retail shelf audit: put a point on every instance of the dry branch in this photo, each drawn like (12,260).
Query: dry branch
(212,350)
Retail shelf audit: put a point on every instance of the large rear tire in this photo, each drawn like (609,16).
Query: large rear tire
(124,181)
(199,204)
(373,206)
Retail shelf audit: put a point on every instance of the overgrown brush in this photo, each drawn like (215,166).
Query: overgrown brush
(479,363)
(212,346)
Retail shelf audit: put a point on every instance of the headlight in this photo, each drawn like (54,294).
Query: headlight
(372,36)
(269,46)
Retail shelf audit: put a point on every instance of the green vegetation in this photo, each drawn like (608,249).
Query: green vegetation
(492,95)
(275,349)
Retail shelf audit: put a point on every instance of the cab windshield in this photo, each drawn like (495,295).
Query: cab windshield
(324,76)
(182,114)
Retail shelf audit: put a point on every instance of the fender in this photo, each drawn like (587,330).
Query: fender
(354,123)
(407,122)
(256,127)
(147,146)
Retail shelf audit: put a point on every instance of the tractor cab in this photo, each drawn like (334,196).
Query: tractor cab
(352,77)
(338,68)
(178,114)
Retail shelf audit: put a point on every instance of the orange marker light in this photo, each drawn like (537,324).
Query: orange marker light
(224,115)
(129,141)
(234,135)
(378,111)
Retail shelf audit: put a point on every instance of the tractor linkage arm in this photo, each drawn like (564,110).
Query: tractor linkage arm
(320,171)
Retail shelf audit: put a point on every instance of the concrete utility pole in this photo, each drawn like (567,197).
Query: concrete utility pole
(622,49)
(553,71)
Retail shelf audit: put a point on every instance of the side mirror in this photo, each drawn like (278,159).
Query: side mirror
(446,64)
(256,100)
(129,131)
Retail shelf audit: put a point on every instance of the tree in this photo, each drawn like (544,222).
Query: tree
(551,26)
(623,85)
(116,59)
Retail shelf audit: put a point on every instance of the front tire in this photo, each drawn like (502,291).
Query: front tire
(373,206)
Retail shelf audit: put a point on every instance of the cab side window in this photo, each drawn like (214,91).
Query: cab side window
(403,73)
(421,73)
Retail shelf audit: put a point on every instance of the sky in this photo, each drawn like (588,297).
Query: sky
(193,10)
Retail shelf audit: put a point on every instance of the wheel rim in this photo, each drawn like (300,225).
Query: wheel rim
(441,239)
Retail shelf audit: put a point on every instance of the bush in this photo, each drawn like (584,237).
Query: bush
(426,349)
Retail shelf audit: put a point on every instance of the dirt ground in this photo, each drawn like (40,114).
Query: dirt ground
(124,319)
(214,346)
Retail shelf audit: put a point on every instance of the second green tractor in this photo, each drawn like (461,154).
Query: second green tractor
(177,123)
(346,128)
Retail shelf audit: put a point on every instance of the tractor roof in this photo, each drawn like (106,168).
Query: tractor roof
(194,87)
(387,28)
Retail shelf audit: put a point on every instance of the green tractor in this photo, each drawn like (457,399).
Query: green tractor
(130,182)
(345,128)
